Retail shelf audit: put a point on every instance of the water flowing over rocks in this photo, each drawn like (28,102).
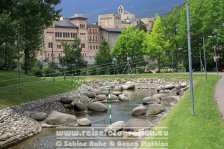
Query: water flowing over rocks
(24,120)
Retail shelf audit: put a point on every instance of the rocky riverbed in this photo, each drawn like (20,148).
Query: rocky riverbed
(27,119)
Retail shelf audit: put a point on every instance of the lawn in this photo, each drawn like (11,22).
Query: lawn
(32,88)
(205,130)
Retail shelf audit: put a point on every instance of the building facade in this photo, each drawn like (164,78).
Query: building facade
(75,27)
(122,19)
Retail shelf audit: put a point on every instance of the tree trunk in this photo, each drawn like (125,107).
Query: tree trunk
(26,61)
(158,60)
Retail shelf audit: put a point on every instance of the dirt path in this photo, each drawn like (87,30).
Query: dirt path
(219,94)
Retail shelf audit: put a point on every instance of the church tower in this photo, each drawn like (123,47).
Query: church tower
(121,9)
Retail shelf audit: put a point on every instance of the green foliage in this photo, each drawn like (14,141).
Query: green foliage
(141,26)
(73,58)
(156,43)
(23,22)
(207,20)
(130,44)
(103,56)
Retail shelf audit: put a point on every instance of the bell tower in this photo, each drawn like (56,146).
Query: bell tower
(121,9)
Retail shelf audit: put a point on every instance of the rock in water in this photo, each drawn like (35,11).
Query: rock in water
(128,86)
(137,125)
(97,107)
(113,97)
(123,98)
(150,100)
(118,88)
(79,106)
(155,109)
(84,122)
(63,119)
(114,127)
(140,110)
(101,97)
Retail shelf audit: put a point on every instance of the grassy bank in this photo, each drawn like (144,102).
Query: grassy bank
(205,130)
(32,88)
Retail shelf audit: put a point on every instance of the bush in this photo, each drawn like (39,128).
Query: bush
(37,71)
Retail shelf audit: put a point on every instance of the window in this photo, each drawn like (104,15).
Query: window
(96,47)
(58,46)
(59,55)
(73,35)
(91,47)
(50,45)
(82,45)
(83,26)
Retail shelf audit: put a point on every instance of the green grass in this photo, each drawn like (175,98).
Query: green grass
(36,88)
(203,131)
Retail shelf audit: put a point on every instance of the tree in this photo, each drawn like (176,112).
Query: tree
(31,17)
(73,57)
(104,56)
(130,46)
(141,26)
(155,42)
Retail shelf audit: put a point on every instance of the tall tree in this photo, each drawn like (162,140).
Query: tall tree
(156,42)
(130,46)
(31,17)
(103,56)
(73,57)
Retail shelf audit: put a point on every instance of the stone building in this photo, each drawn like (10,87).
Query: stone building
(66,30)
(122,19)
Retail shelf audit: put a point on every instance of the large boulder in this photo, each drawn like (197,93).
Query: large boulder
(68,106)
(79,106)
(128,86)
(38,116)
(117,93)
(137,125)
(140,110)
(169,86)
(118,88)
(169,99)
(65,100)
(97,107)
(123,98)
(112,97)
(101,97)
(150,100)
(159,95)
(84,122)
(155,109)
(114,127)
(62,119)
(90,94)
(184,84)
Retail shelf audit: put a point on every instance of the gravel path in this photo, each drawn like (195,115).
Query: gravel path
(219,94)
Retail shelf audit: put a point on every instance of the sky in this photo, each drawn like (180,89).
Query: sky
(92,8)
